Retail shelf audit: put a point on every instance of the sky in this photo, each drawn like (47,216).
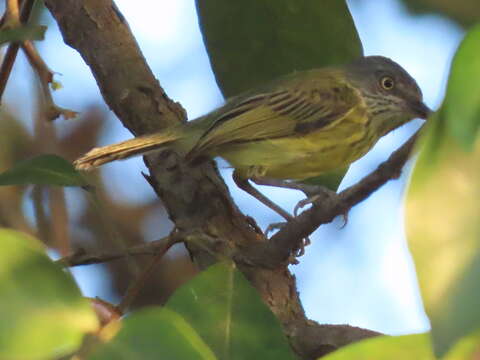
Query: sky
(360,274)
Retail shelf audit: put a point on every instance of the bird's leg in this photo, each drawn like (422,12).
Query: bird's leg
(244,184)
(313,192)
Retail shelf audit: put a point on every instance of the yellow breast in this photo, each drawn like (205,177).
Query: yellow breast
(303,156)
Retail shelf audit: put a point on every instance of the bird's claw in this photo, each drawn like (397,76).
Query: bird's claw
(313,193)
(345,219)
(274,226)
(302,203)
(299,251)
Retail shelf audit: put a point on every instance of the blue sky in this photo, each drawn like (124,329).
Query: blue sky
(361,274)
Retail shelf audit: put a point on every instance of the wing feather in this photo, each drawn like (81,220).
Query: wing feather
(292,109)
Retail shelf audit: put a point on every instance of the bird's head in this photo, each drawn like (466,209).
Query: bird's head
(390,93)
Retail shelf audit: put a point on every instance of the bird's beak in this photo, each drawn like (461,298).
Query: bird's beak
(420,109)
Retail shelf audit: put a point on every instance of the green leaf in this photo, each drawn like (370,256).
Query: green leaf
(227,312)
(443,228)
(154,333)
(387,348)
(443,212)
(43,170)
(250,42)
(458,315)
(22,33)
(461,108)
(41,310)
(416,347)
(431,141)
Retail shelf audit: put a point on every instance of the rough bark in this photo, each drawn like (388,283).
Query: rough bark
(196,198)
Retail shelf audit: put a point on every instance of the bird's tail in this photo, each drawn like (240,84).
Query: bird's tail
(125,149)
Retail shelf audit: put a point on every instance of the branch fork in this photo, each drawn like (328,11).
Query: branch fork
(14,17)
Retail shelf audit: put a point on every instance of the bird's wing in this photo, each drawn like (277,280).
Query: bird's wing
(286,111)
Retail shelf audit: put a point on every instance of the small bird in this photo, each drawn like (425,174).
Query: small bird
(297,127)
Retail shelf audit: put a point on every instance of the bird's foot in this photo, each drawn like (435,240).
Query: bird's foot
(307,201)
(301,248)
(314,193)
(274,226)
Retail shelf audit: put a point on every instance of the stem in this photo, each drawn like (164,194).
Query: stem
(135,288)
(12,16)
(12,51)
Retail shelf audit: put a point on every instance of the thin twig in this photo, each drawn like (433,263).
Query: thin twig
(12,50)
(109,228)
(136,286)
(36,61)
(12,13)
(7,66)
(81,258)
(3,20)
(44,229)
(59,211)
(45,75)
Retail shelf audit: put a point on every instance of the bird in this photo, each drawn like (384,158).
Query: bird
(299,126)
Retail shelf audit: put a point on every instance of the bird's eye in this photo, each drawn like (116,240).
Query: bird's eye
(387,83)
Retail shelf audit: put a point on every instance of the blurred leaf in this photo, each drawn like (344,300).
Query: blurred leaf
(14,137)
(444,230)
(22,33)
(465,12)
(222,306)
(43,170)
(155,333)
(461,108)
(416,347)
(250,42)
(41,310)
(387,348)
(431,141)
(443,211)
(458,314)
